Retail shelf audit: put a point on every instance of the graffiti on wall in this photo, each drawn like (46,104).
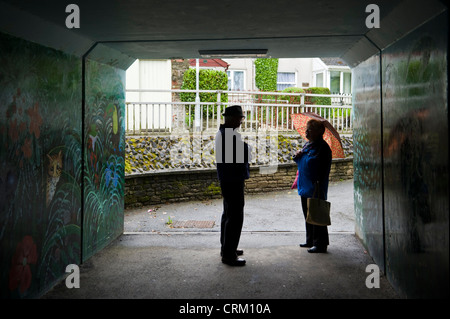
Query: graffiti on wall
(104,156)
(39,167)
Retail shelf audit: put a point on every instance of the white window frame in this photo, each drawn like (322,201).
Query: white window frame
(341,78)
(324,78)
(232,79)
(295,79)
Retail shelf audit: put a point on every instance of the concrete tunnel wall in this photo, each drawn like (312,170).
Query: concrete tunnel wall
(401,160)
(62,141)
(51,97)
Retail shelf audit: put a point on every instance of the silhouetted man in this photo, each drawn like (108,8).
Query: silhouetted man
(232,161)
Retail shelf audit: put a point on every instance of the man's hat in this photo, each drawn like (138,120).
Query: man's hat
(235,110)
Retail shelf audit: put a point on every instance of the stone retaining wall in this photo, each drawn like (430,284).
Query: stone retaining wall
(149,154)
(188,185)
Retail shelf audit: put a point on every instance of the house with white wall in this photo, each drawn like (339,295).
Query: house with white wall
(332,73)
(149,75)
(291,72)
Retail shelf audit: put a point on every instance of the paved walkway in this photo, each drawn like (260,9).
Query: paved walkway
(155,260)
(276,211)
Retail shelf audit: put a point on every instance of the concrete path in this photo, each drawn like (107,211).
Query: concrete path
(275,211)
(154,260)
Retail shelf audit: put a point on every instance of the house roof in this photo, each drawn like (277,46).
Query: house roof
(334,61)
(210,63)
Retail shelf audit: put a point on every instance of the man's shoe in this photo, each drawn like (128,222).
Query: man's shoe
(234,262)
(239,252)
(306,245)
(316,249)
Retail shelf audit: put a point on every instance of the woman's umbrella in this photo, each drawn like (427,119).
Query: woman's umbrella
(331,136)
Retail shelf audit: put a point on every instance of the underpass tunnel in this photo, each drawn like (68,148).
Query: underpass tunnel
(62,132)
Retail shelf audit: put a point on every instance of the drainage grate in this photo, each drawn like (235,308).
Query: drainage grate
(193,224)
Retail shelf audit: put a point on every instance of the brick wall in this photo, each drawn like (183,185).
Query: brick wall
(171,186)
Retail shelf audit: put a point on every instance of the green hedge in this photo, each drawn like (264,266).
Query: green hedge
(266,71)
(208,80)
(290,98)
(318,100)
(328,113)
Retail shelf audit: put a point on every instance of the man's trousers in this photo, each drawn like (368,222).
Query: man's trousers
(232,217)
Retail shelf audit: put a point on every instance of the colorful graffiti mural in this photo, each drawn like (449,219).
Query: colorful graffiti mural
(104,156)
(40,170)
(47,221)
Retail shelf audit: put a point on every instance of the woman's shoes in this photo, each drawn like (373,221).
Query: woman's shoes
(316,249)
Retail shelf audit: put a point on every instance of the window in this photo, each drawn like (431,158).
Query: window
(319,80)
(340,82)
(235,80)
(285,80)
(335,82)
(347,83)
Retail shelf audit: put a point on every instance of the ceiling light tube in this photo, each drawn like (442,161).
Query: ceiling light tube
(237,53)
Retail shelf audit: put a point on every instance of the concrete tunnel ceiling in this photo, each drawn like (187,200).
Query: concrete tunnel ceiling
(161,29)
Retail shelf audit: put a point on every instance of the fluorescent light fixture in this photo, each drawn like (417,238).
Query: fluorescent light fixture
(238,53)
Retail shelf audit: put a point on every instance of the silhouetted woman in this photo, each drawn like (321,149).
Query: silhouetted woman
(314,163)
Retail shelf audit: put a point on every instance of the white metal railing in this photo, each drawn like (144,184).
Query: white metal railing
(263,110)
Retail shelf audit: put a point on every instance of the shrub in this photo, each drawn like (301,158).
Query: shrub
(319,100)
(266,71)
(290,98)
(208,80)
(315,99)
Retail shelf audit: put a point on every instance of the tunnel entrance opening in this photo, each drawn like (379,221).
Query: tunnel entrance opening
(154,80)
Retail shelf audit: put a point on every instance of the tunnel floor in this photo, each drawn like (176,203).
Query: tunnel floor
(154,259)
